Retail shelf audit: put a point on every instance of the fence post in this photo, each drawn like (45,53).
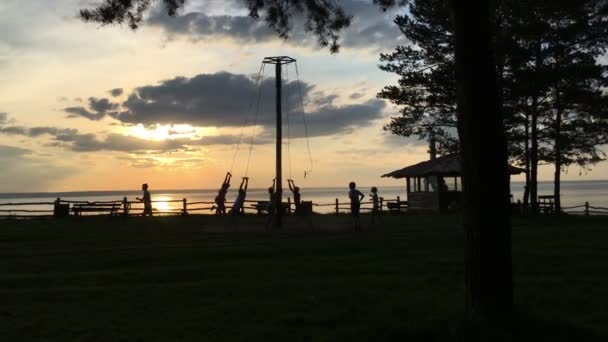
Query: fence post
(56,207)
(381,202)
(398,204)
(337,207)
(185,207)
(586,208)
(125,207)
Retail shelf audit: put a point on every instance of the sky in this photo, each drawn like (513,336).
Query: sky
(180,101)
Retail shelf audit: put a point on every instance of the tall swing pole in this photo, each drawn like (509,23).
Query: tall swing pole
(278,61)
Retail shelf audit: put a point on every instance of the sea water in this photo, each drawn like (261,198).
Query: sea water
(573,193)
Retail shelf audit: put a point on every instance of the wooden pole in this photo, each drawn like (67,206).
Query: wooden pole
(586,208)
(125,207)
(185,207)
(279,142)
(289,205)
(337,207)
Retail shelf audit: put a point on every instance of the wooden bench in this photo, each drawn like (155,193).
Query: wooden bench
(110,208)
(395,207)
(261,207)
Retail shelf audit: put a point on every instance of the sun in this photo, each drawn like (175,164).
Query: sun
(160,132)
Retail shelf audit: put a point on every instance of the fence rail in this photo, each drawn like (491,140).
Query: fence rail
(124,207)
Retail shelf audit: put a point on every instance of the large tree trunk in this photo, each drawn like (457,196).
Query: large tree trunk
(486,215)
(534,138)
(526,198)
(558,152)
(534,156)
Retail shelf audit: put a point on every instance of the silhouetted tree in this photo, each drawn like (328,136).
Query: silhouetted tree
(489,289)
(426,92)
(531,37)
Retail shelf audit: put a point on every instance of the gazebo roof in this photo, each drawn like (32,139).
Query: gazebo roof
(442,166)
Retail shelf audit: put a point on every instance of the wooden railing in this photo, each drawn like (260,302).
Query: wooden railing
(585,209)
(126,208)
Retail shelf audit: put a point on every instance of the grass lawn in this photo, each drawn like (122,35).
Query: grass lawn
(209,279)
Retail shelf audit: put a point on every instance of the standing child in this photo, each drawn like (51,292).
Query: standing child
(355,203)
(147,199)
(376,213)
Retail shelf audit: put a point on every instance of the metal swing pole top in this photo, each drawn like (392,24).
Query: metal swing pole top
(278,62)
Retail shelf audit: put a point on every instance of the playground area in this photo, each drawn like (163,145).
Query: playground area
(194,278)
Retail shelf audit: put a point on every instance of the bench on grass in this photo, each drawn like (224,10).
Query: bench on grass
(94,207)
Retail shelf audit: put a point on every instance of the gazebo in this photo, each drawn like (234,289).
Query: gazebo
(435,184)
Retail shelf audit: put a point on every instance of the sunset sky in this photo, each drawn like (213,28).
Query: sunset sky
(84,107)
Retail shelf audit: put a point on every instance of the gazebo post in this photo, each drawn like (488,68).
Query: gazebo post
(456,183)
(418,180)
(409,189)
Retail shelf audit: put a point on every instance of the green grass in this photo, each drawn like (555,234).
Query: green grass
(209,279)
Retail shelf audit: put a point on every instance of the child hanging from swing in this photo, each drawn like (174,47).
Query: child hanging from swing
(239,202)
(296,196)
(220,199)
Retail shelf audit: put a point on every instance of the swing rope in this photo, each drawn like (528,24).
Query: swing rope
(288,110)
(255,120)
(301,98)
(237,149)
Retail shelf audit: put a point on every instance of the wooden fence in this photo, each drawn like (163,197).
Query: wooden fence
(126,208)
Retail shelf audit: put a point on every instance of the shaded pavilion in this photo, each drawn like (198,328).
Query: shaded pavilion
(435,184)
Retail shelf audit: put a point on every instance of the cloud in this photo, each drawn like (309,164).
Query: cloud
(35,131)
(23,171)
(116,92)
(225,100)
(370,27)
(3,117)
(76,141)
(89,142)
(98,109)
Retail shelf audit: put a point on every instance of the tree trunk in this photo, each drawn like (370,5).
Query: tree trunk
(558,152)
(534,156)
(534,138)
(483,149)
(526,198)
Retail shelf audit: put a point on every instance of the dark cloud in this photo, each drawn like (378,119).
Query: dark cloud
(226,100)
(35,131)
(76,141)
(124,143)
(116,92)
(23,170)
(331,120)
(356,96)
(370,28)
(98,109)
(13,130)
(12,151)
